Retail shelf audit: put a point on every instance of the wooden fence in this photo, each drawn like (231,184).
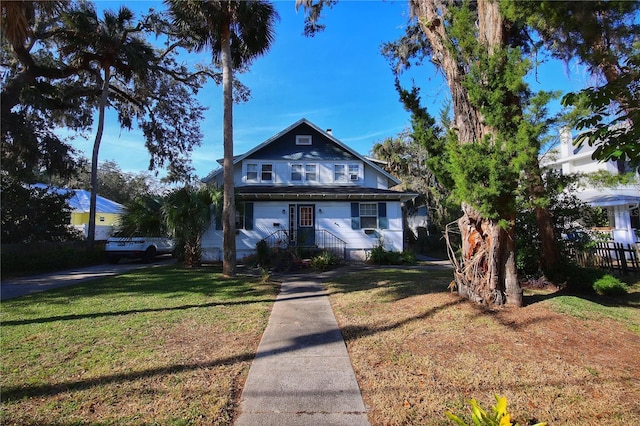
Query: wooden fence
(615,257)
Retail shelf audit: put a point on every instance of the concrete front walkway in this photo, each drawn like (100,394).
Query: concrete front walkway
(302,374)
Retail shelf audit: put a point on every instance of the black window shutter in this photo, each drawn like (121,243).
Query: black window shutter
(355,216)
(383,220)
(248,216)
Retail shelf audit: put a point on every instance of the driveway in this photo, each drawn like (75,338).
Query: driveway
(16,287)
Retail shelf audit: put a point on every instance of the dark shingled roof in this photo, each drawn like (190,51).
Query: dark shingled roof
(318,193)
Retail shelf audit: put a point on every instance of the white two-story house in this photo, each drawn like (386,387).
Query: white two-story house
(621,202)
(305,188)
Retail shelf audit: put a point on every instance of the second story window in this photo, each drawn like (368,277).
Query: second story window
(296,172)
(252,172)
(340,173)
(311,172)
(266,172)
(354,172)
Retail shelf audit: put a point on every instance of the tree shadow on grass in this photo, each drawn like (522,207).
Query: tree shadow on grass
(298,343)
(357,332)
(15,393)
(168,282)
(630,300)
(393,283)
(157,290)
(72,317)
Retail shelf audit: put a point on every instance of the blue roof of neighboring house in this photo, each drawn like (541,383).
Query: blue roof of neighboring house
(80,201)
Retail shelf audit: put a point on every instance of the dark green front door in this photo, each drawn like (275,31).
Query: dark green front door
(306,225)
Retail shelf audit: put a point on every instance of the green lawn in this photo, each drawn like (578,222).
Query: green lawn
(624,310)
(159,346)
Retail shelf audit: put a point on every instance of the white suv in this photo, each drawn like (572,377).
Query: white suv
(145,248)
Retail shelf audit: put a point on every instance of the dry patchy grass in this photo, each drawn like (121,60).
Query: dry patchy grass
(164,346)
(419,350)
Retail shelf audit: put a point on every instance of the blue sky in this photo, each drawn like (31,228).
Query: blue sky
(337,79)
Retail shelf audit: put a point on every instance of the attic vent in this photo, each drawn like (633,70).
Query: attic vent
(303,139)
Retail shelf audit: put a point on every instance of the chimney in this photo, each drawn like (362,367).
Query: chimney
(329,131)
(566,143)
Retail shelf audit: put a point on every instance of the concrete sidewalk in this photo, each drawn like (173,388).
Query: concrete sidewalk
(302,374)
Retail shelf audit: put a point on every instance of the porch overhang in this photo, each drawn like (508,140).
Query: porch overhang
(325,193)
(610,196)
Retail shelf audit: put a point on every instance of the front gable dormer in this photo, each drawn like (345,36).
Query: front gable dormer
(302,142)
(305,155)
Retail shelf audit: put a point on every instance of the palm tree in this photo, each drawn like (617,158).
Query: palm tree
(18,16)
(143,216)
(187,213)
(236,32)
(114,50)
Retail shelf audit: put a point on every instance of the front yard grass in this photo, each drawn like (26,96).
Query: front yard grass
(167,346)
(419,350)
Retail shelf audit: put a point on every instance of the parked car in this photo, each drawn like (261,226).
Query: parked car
(145,248)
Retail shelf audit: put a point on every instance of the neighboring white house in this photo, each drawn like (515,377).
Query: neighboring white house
(305,188)
(621,202)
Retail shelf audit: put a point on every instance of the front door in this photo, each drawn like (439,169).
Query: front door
(306,234)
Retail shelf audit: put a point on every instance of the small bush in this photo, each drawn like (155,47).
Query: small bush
(610,286)
(262,253)
(581,280)
(408,258)
(380,256)
(324,261)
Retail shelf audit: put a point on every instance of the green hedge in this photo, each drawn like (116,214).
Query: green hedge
(609,285)
(35,258)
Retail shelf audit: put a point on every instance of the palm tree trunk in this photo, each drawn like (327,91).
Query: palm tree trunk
(94,160)
(228,204)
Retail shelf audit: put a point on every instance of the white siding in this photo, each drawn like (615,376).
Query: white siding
(335,218)
(369,177)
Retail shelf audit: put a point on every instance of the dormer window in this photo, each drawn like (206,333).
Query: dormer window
(354,172)
(303,139)
(252,172)
(296,172)
(311,172)
(304,172)
(267,172)
(259,172)
(347,172)
(339,173)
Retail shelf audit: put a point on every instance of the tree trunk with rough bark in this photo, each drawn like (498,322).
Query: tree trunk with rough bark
(488,273)
(550,257)
(228,203)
